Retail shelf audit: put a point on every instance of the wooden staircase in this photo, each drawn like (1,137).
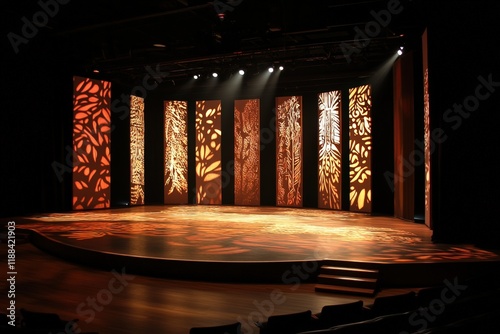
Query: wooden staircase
(349,278)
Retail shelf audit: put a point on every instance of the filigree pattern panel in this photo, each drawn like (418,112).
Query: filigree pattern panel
(330,151)
(427,131)
(360,146)
(427,149)
(91,143)
(176,152)
(208,152)
(136,150)
(247,152)
(289,151)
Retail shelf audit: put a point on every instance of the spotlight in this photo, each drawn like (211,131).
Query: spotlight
(400,51)
(241,72)
(196,76)
(215,75)
(281,68)
(270,69)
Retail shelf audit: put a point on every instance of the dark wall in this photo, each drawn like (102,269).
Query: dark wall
(383,145)
(35,123)
(37,133)
(36,120)
(463,48)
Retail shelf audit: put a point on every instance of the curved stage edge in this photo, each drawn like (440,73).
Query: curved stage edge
(392,275)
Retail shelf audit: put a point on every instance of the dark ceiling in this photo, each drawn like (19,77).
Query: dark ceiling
(311,38)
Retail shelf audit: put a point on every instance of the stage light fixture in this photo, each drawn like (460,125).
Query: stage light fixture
(215,75)
(271,69)
(281,68)
(241,72)
(196,76)
(400,51)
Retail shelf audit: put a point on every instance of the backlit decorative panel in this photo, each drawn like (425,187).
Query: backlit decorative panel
(176,153)
(136,150)
(427,131)
(360,146)
(427,149)
(247,152)
(91,143)
(208,152)
(330,150)
(289,151)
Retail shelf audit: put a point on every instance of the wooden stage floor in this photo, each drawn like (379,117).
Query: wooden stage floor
(254,234)
(251,244)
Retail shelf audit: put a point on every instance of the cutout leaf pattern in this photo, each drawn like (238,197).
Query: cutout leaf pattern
(247,152)
(91,143)
(360,146)
(427,149)
(330,150)
(176,152)
(289,151)
(136,150)
(208,152)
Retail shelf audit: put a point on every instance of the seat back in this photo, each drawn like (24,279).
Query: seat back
(289,323)
(233,328)
(332,315)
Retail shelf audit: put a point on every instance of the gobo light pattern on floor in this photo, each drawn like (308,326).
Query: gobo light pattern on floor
(247,152)
(91,143)
(330,151)
(136,150)
(243,233)
(289,151)
(360,146)
(176,152)
(208,152)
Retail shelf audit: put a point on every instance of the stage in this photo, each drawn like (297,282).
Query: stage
(233,243)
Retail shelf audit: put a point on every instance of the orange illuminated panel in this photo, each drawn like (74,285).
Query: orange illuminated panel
(176,152)
(427,132)
(247,152)
(289,151)
(360,146)
(208,152)
(330,151)
(427,149)
(91,143)
(136,150)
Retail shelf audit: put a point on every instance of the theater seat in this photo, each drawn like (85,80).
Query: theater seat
(42,321)
(288,323)
(332,315)
(233,328)
(393,304)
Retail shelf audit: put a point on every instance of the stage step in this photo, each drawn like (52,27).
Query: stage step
(349,272)
(344,290)
(347,280)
